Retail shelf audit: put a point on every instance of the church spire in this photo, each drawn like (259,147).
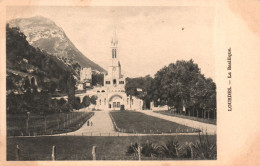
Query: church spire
(114,43)
(114,40)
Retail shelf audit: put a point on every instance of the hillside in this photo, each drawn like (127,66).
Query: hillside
(29,68)
(44,34)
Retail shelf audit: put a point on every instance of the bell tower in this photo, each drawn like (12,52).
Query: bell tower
(114,78)
(115,67)
(114,43)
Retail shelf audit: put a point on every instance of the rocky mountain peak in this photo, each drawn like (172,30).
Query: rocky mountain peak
(43,33)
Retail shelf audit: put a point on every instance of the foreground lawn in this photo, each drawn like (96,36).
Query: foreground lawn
(80,147)
(46,125)
(136,122)
(171,113)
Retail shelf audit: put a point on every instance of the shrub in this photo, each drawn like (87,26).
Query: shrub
(93,100)
(86,101)
(203,149)
(185,151)
(171,149)
(149,149)
(66,107)
(61,101)
(132,149)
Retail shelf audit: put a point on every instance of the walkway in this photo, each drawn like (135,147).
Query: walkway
(101,123)
(210,128)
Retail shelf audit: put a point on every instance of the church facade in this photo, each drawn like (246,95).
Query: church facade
(112,96)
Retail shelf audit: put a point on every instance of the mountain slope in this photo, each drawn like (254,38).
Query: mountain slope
(45,34)
(32,69)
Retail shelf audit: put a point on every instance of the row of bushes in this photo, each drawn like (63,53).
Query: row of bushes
(201,150)
(42,102)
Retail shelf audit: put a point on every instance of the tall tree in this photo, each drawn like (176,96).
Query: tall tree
(181,85)
(140,87)
(86,101)
(71,82)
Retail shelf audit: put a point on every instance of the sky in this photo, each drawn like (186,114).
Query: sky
(149,37)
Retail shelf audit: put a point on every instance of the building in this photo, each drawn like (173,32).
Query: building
(85,74)
(112,95)
(85,78)
(80,86)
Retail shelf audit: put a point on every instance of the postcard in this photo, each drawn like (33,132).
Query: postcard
(130,82)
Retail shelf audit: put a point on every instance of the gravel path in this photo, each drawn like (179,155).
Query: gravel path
(209,128)
(101,123)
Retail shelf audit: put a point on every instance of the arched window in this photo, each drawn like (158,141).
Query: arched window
(112,53)
(102,91)
(114,81)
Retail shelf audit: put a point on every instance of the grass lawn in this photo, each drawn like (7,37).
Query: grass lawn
(136,122)
(171,113)
(49,124)
(80,147)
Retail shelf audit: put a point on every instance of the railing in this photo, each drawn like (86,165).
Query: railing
(21,155)
(64,123)
(178,130)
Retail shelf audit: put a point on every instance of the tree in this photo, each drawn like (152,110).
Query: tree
(141,88)
(93,100)
(97,79)
(181,85)
(77,104)
(86,101)
(49,77)
(61,101)
(66,107)
(71,82)
(27,84)
(54,105)
(18,49)
(50,86)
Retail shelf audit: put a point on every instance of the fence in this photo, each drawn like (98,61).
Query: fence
(21,155)
(124,132)
(191,117)
(48,125)
(178,130)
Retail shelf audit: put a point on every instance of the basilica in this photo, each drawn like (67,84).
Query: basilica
(112,96)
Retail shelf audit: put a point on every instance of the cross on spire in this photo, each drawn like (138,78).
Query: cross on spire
(114,40)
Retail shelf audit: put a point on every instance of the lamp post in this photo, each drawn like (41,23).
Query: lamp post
(45,123)
(27,123)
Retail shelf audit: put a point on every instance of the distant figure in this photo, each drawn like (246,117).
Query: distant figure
(182,29)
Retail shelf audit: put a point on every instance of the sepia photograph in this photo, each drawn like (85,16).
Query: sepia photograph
(129,83)
(110,83)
